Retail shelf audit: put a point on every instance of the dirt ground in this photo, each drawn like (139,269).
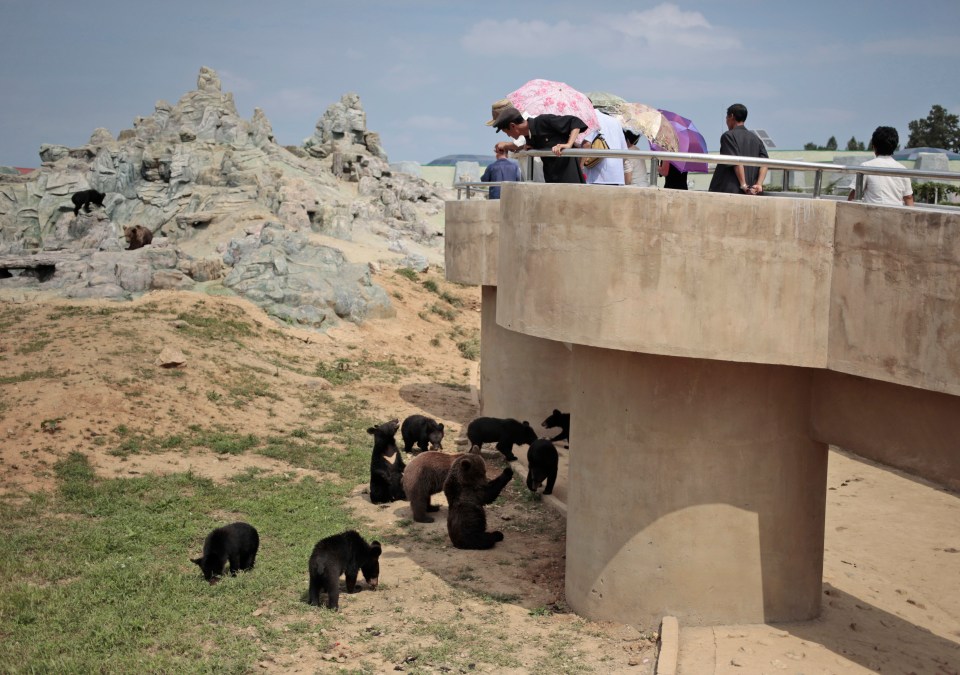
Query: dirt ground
(84,375)
(892,566)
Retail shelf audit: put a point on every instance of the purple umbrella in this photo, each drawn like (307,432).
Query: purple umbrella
(690,140)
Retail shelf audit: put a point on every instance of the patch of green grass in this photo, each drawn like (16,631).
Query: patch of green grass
(215,326)
(431,286)
(120,589)
(469,346)
(37,343)
(408,272)
(29,375)
(444,312)
(452,299)
(340,371)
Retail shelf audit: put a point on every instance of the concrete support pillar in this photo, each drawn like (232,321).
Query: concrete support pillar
(520,376)
(695,490)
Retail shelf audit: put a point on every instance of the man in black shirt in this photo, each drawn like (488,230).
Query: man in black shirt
(544,132)
(741,142)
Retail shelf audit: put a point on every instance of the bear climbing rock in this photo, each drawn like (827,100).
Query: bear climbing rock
(423,432)
(423,478)
(558,419)
(346,553)
(137,237)
(504,432)
(84,198)
(542,462)
(386,465)
(467,491)
(236,543)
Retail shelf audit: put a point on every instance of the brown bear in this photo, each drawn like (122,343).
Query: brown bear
(138,236)
(468,491)
(423,478)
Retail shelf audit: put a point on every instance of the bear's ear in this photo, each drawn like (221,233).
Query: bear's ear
(557,412)
(441,426)
(198,561)
(375,549)
(526,423)
(372,430)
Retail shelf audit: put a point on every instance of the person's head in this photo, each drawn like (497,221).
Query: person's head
(500,153)
(885,140)
(511,122)
(736,115)
(496,109)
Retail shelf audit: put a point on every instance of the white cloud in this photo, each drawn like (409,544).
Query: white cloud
(663,34)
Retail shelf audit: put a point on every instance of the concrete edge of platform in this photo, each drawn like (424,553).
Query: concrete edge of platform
(669,646)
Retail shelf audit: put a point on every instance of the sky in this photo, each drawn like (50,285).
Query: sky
(427,71)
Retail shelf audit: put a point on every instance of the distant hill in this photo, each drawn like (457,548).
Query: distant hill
(451,160)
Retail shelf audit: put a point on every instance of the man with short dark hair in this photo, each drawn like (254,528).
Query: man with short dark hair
(499,171)
(741,142)
(892,190)
(544,132)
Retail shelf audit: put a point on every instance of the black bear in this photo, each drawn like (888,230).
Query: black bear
(345,553)
(504,432)
(423,478)
(558,419)
(386,465)
(467,491)
(137,237)
(542,461)
(85,198)
(236,543)
(421,431)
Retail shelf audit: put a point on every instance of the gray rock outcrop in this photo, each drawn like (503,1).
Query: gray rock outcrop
(197,168)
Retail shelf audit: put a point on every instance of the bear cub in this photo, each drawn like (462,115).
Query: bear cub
(85,198)
(423,432)
(467,491)
(386,465)
(236,543)
(345,553)
(423,478)
(558,419)
(137,237)
(542,462)
(504,432)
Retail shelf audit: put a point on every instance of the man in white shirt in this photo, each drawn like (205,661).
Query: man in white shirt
(892,190)
(607,171)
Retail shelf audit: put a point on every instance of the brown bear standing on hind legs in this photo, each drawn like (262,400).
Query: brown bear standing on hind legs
(468,491)
(423,478)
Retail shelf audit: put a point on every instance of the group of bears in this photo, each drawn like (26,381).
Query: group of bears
(461,477)
(137,236)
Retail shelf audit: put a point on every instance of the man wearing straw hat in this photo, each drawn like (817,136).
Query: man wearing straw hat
(544,132)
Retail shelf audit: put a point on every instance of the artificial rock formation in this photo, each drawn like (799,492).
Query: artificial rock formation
(196,167)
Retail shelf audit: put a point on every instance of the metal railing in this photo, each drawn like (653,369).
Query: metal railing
(786,165)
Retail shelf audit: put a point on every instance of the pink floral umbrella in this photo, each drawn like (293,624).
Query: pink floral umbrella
(537,97)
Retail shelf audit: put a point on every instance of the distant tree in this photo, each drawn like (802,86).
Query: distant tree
(831,143)
(854,144)
(811,146)
(940,129)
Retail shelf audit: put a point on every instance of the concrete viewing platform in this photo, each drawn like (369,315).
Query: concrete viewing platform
(709,348)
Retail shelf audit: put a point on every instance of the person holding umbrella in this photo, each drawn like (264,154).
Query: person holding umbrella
(544,132)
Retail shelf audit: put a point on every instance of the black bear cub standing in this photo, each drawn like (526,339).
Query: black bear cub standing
(504,432)
(467,491)
(85,198)
(345,553)
(423,432)
(558,419)
(542,462)
(236,543)
(386,465)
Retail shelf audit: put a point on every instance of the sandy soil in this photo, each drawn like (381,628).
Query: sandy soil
(83,376)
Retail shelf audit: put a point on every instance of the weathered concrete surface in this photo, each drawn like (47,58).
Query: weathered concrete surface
(904,427)
(895,302)
(694,490)
(472,241)
(667,271)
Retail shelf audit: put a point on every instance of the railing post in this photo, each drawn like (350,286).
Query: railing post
(817,182)
(653,171)
(858,195)
(786,180)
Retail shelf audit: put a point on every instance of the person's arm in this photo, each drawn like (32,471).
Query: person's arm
(508,146)
(853,195)
(560,147)
(664,168)
(485,178)
(741,177)
(908,200)
(757,187)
